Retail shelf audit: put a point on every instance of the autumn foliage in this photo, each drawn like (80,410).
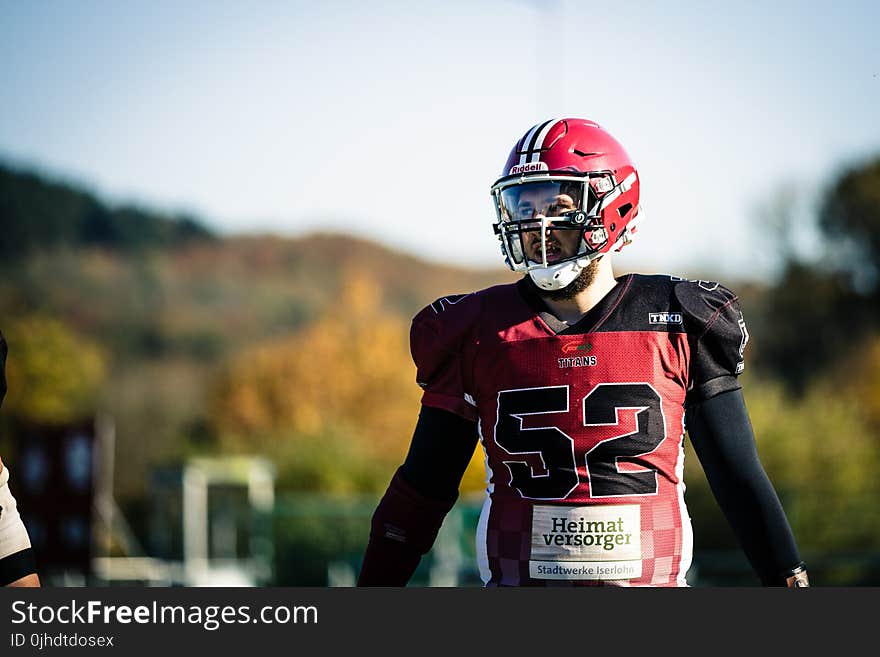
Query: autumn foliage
(346,371)
(54,375)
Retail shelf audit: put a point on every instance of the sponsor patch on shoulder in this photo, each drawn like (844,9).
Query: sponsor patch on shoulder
(529,167)
(665,318)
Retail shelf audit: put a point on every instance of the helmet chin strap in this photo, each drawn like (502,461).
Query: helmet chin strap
(556,277)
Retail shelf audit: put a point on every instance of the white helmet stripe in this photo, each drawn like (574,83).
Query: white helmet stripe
(525,148)
(534,141)
(621,187)
(539,142)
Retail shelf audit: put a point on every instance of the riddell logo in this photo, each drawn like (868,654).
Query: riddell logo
(574,347)
(528,168)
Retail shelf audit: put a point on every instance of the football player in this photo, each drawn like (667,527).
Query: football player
(580,387)
(17,567)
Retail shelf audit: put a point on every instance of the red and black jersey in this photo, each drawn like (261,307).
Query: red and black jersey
(582,425)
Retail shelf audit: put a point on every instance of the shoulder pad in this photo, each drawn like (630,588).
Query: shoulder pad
(701,302)
(438,337)
(715,322)
(447,316)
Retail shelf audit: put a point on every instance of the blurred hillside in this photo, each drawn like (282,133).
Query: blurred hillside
(39,214)
(297,350)
(170,316)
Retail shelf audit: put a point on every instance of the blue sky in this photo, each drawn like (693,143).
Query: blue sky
(392,119)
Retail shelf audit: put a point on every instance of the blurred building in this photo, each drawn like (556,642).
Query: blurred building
(54,484)
(212,520)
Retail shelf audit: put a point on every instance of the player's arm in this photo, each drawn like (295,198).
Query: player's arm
(17,567)
(421,493)
(425,487)
(722,436)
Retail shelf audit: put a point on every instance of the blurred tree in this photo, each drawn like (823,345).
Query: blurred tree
(857,378)
(349,365)
(54,374)
(806,321)
(822,304)
(850,218)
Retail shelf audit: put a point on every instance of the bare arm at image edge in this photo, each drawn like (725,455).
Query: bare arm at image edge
(17,567)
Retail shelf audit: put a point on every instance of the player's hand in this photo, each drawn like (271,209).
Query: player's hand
(797,577)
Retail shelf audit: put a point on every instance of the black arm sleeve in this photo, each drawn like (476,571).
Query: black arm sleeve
(441,448)
(723,439)
(421,493)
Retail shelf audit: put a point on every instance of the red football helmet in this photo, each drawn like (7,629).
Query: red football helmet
(570,181)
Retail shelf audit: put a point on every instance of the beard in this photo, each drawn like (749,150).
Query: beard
(581,282)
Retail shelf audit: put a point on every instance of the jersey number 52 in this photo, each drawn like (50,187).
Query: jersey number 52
(557,449)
